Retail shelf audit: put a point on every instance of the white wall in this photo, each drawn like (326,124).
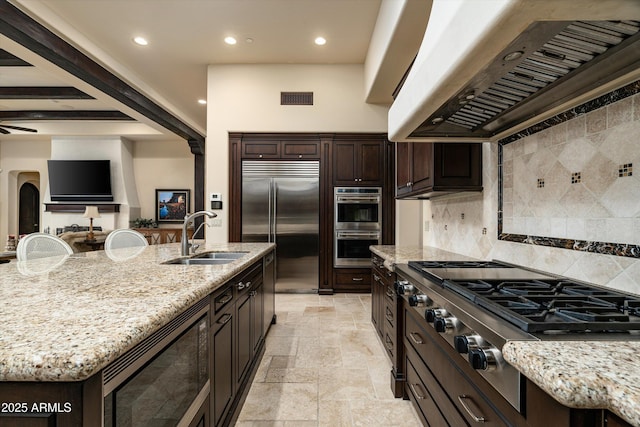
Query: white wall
(246,98)
(146,165)
(17,156)
(161,165)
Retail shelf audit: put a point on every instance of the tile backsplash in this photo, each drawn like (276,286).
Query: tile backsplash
(572,182)
(575,180)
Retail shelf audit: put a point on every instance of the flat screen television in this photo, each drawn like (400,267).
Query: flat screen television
(80,180)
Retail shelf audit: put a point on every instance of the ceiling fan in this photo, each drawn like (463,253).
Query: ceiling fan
(5,129)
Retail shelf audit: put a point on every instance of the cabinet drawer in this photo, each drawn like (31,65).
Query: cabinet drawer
(389,343)
(221,299)
(251,278)
(352,279)
(420,394)
(464,395)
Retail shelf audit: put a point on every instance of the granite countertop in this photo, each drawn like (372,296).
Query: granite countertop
(393,255)
(64,319)
(578,374)
(583,374)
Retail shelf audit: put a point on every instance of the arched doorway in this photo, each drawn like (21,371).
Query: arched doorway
(29,210)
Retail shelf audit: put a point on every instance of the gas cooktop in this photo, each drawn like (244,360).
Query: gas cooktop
(553,304)
(535,302)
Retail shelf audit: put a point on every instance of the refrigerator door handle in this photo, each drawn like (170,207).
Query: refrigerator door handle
(275,212)
(269,232)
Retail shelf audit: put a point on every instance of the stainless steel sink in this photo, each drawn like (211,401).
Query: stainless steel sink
(199,261)
(208,258)
(219,255)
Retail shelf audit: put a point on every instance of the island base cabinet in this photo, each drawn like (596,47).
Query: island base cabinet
(45,404)
(222,333)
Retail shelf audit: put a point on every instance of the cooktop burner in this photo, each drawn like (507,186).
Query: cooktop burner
(553,304)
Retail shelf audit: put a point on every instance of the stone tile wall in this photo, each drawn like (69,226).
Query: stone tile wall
(571,181)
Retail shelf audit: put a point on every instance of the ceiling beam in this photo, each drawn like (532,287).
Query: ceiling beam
(31,115)
(9,60)
(42,92)
(24,30)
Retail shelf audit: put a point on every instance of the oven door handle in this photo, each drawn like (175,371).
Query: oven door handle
(357,199)
(346,235)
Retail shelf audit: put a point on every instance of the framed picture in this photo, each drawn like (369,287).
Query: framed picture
(171,205)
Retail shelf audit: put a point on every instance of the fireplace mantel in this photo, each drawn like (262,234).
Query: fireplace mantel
(80,207)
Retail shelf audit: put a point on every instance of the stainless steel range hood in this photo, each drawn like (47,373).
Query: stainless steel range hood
(522,62)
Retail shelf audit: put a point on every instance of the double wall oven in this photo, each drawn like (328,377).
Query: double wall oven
(357,224)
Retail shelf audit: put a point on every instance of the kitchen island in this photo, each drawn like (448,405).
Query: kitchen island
(63,322)
(599,376)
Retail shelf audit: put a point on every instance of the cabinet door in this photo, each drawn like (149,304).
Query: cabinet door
(261,150)
(344,163)
(244,340)
(421,155)
(222,383)
(257,316)
(458,165)
(369,167)
(403,168)
(300,150)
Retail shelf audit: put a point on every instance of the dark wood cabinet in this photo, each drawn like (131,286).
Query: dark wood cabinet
(269,149)
(385,315)
(425,170)
(352,280)
(346,159)
(358,163)
(222,354)
(437,374)
(248,319)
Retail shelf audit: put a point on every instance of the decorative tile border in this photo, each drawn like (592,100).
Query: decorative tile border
(606,248)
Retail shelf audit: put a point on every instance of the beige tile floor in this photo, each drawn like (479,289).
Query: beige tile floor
(324,366)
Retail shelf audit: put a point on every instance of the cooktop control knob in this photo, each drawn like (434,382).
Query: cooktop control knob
(433,313)
(419,299)
(444,324)
(464,343)
(403,287)
(484,359)
(461,344)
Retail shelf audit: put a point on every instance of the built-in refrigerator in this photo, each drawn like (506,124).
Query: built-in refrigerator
(280,204)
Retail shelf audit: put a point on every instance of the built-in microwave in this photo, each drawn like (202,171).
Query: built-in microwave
(358,208)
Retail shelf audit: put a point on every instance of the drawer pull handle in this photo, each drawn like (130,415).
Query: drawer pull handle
(414,387)
(389,315)
(241,286)
(376,277)
(417,340)
(462,399)
(224,319)
(389,343)
(225,300)
(357,279)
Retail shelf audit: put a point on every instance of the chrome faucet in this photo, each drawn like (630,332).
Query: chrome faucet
(187,219)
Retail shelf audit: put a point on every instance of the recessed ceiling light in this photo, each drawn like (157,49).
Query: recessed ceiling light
(141,41)
(320,41)
(230,40)
(249,40)
(202,101)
